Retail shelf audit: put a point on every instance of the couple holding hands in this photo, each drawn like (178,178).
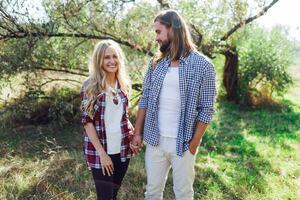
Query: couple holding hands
(174,110)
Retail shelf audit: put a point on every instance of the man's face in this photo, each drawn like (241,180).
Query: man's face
(162,38)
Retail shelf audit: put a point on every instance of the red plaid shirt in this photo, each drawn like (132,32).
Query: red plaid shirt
(91,155)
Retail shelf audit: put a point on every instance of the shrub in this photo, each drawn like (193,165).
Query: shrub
(263,60)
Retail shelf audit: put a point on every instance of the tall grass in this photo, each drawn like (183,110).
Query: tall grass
(245,154)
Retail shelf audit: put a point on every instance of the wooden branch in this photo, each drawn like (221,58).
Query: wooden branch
(62,70)
(199,34)
(247,21)
(127,1)
(137,86)
(164,4)
(57,79)
(11,19)
(74,13)
(78,35)
(15,30)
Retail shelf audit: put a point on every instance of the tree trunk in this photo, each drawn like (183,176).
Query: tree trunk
(230,76)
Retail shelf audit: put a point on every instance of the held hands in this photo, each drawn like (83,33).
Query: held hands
(136,143)
(106,164)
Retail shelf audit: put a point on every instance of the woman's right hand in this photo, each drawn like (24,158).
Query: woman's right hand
(106,164)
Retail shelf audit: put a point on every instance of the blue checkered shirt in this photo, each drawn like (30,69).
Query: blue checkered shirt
(197,84)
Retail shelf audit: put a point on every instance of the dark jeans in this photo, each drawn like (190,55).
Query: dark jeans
(107,186)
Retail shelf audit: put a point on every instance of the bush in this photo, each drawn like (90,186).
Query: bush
(263,60)
(34,107)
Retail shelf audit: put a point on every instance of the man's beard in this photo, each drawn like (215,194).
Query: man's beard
(165,46)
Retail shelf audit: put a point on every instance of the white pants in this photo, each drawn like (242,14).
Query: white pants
(159,160)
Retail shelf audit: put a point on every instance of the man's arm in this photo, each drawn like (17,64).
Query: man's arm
(197,138)
(140,120)
(136,142)
(205,105)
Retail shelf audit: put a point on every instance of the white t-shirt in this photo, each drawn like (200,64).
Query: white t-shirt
(112,119)
(169,104)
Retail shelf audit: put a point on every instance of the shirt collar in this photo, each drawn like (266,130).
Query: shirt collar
(182,59)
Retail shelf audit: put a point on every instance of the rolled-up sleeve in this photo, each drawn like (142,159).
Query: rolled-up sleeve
(85,118)
(143,103)
(207,95)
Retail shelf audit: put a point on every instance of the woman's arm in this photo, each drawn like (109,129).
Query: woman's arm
(105,160)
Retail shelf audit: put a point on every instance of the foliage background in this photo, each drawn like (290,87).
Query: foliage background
(250,150)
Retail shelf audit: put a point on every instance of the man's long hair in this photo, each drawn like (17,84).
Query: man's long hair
(181,43)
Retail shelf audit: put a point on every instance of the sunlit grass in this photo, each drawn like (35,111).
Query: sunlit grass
(245,154)
(250,154)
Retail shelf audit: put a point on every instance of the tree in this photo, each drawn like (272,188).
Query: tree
(77,22)
(264,58)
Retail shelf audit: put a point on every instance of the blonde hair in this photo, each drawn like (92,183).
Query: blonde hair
(97,75)
(181,40)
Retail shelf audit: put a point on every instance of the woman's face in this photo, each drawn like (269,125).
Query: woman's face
(110,61)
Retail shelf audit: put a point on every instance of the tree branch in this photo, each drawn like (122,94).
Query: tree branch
(164,4)
(20,34)
(250,19)
(62,70)
(57,79)
(197,32)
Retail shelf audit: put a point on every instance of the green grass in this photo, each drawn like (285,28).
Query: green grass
(245,154)
(250,154)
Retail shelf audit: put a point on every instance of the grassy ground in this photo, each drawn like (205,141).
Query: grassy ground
(245,154)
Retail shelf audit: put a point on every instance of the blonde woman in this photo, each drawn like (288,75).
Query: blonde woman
(107,129)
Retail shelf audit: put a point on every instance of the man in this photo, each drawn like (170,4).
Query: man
(175,108)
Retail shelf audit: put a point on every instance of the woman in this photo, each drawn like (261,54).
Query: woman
(107,129)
